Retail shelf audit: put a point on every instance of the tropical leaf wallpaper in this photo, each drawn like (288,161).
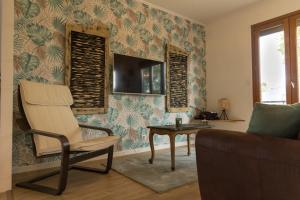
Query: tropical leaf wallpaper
(135,29)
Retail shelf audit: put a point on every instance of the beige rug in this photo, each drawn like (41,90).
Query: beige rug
(159,176)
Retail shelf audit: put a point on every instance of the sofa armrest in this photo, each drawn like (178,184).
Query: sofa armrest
(235,165)
(250,145)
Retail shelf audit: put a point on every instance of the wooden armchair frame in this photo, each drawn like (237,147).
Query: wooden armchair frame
(67,162)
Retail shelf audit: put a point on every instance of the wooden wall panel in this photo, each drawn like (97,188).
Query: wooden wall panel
(177,79)
(87,72)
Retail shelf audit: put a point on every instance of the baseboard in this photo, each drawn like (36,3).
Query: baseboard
(8,195)
(36,167)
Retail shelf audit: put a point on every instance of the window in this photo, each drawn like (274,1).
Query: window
(276,60)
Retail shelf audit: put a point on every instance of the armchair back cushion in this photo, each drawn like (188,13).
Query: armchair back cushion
(275,120)
(47,108)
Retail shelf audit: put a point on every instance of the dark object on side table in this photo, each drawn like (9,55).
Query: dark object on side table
(207,116)
(178,122)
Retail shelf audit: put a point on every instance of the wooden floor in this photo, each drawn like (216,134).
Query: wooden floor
(113,186)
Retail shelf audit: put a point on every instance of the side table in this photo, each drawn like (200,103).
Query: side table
(172,131)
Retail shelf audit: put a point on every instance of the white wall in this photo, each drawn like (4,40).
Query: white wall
(229,59)
(6,64)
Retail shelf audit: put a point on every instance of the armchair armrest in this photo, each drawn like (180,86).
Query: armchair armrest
(62,138)
(107,130)
(270,149)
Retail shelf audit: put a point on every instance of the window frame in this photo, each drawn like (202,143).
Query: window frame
(288,22)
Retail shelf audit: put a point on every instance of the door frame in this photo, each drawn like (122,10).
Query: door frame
(6,98)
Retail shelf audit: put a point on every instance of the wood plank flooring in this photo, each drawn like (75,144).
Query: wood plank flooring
(113,186)
(6,195)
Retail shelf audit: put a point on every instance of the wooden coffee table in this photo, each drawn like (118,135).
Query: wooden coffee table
(172,131)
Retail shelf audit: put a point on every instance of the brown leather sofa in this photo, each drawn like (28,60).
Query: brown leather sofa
(239,166)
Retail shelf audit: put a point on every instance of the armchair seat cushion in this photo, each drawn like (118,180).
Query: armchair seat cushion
(95,144)
(86,145)
(47,108)
(50,113)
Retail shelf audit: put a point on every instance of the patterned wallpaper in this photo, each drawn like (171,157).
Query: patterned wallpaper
(135,29)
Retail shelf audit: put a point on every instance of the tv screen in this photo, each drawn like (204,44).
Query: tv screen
(138,75)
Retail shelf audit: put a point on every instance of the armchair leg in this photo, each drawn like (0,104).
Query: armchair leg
(100,171)
(63,174)
(109,158)
(63,177)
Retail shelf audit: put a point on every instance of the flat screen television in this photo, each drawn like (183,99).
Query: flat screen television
(138,75)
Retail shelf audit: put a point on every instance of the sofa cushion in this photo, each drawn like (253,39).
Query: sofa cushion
(275,120)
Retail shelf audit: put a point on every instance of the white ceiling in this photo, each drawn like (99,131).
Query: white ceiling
(202,10)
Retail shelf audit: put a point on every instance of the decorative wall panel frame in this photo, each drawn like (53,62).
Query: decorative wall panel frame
(177,79)
(87,70)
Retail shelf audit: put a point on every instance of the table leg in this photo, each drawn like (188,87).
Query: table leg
(151,146)
(172,145)
(188,144)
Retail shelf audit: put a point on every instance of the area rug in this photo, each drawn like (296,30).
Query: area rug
(159,176)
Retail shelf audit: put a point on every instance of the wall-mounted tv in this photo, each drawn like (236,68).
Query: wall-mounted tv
(138,75)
